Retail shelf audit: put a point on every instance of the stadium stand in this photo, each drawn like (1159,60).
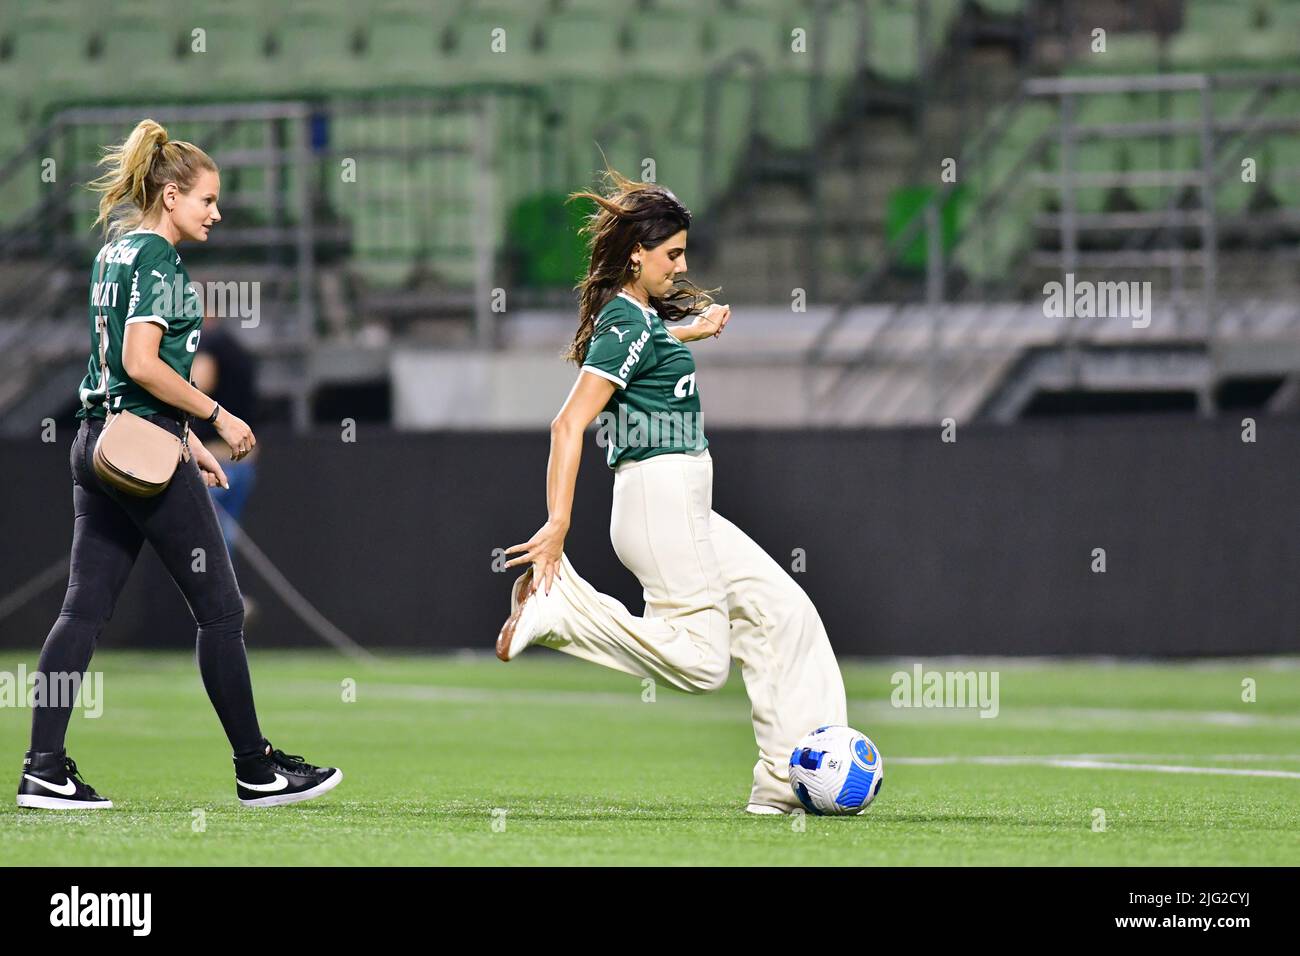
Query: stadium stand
(806,135)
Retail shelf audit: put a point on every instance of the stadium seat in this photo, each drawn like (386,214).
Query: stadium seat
(892,38)
(1282,168)
(735,31)
(1127,53)
(584,45)
(908,203)
(671,46)
(475,54)
(319,49)
(234,60)
(19,192)
(148,51)
(785,117)
(1093,155)
(1219,18)
(49,60)
(406,47)
(846,40)
(542,241)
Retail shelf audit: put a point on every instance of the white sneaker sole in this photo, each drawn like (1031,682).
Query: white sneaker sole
(35,802)
(763,810)
(280,799)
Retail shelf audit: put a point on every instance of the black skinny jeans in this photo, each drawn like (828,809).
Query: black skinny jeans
(107,533)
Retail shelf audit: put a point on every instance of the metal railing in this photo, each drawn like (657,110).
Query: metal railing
(1154,239)
(407,188)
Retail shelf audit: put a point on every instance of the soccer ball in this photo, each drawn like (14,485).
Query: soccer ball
(836,770)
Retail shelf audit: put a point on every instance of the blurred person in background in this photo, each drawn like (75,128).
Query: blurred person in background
(225,370)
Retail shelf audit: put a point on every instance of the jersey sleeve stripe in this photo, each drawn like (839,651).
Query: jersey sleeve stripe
(149,318)
(603,374)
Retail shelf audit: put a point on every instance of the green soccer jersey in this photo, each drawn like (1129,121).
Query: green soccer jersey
(656,408)
(143,281)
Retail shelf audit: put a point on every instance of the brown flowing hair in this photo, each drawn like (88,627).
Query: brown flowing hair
(138,169)
(627,213)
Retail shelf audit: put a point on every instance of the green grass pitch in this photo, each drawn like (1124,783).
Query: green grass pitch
(464,760)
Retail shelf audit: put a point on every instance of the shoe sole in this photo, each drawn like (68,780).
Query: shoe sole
(280,799)
(35,802)
(519,595)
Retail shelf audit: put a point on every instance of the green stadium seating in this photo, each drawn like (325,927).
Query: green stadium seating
(1127,53)
(476,55)
(670,46)
(1219,18)
(905,205)
(585,45)
(19,194)
(233,63)
(151,48)
(49,60)
(785,118)
(732,32)
(318,49)
(542,241)
(406,47)
(892,39)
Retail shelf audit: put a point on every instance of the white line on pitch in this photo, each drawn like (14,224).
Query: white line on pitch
(870,711)
(1079,764)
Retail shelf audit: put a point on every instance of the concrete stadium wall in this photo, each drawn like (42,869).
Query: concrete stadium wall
(913,546)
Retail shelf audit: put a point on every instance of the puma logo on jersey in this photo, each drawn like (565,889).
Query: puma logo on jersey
(633,354)
(619,332)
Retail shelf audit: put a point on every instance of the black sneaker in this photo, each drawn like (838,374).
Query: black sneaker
(276,777)
(51,781)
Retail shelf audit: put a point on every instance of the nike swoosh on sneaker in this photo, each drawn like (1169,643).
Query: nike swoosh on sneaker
(279,783)
(67,788)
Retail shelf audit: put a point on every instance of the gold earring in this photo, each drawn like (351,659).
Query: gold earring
(636,268)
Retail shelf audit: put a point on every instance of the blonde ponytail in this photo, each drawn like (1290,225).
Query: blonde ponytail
(138,169)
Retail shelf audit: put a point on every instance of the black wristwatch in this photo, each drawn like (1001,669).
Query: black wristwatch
(216,410)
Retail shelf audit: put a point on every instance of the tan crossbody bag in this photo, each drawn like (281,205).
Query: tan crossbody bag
(133,454)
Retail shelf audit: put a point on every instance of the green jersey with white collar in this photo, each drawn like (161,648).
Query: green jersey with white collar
(143,280)
(655,408)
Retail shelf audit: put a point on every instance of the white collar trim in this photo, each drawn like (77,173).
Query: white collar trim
(644,308)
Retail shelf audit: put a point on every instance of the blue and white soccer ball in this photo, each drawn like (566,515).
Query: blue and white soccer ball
(836,770)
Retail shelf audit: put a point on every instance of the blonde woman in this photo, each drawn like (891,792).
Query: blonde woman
(156,194)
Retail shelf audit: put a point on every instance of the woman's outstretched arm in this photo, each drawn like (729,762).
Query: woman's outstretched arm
(590,394)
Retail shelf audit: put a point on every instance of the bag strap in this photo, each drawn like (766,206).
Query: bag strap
(101,325)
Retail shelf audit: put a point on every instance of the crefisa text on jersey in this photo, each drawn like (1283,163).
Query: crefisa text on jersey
(75,909)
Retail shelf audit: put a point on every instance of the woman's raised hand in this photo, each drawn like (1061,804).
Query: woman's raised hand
(712,321)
